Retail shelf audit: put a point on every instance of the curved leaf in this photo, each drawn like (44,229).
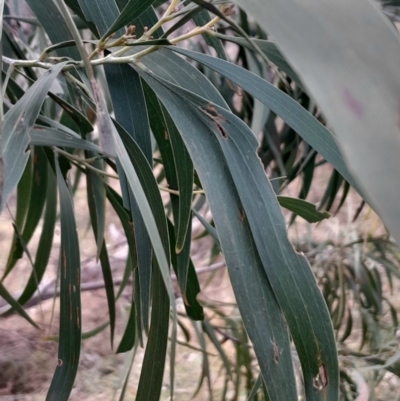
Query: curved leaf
(70,299)
(15,133)
(312,39)
(309,322)
(307,126)
(304,209)
(255,298)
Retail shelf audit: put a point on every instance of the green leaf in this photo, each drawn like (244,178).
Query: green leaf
(102,14)
(257,385)
(185,177)
(129,107)
(177,164)
(174,69)
(147,18)
(308,127)
(202,18)
(15,133)
(80,119)
(303,208)
(151,376)
(116,202)
(96,194)
(209,330)
(210,229)
(269,48)
(70,299)
(309,323)
(152,192)
(131,11)
(130,112)
(312,40)
(128,339)
(15,304)
(53,23)
(47,136)
(45,241)
(23,195)
(188,281)
(37,199)
(258,305)
(148,218)
(74,5)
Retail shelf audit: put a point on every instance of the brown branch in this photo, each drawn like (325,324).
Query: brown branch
(48,293)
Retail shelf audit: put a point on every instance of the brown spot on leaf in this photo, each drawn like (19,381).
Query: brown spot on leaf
(221,130)
(275,350)
(321,380)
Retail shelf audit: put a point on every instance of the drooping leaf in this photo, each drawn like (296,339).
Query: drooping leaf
(22,205)
(130,112)
(45,242)
(148,217)
(311,330)
(129,337)
(312,40)
(70,299)
(152,373)
(15,304)
(309,128)
(96,194)
(15,133)
(256,301)
(190,287)
(153,195)
(269,48)
(36,199)
(176,161)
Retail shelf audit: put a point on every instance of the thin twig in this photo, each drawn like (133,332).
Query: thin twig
(48,293)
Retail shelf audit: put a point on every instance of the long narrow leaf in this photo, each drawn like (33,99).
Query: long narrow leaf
(15,133)
(70,299)
(318,40)
(309,324)
(308,127)
(256,301)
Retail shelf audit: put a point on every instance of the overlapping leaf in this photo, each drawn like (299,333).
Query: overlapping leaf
(255,299)
(309,324)
(318,39)
(309,128)
(15,133)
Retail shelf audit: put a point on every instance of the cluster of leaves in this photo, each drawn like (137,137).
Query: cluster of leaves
(96,116)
